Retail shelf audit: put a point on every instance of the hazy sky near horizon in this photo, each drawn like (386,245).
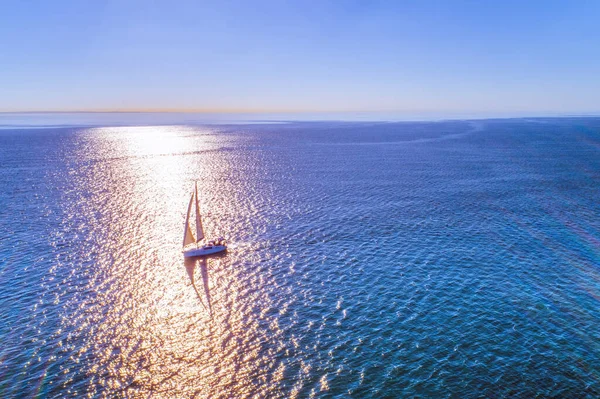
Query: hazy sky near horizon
(418,56)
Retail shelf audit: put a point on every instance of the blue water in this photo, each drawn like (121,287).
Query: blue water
(449,259)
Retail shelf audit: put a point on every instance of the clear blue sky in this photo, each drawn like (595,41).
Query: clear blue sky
(431,56)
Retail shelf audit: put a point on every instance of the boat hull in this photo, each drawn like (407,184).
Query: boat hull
(204,251)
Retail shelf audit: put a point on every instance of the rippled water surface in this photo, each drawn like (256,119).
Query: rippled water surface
(455,259)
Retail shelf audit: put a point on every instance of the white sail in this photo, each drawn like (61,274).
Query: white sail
(199,229)
(188,235)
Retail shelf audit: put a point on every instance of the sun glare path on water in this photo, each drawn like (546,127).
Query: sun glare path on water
(142,303)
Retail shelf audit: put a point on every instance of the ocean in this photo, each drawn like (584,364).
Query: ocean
(453,259)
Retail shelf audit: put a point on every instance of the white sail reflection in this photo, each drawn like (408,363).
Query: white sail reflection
(190,266)
(204,270)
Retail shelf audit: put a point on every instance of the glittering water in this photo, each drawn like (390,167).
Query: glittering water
(456,259)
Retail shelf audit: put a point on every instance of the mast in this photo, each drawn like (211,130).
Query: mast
(199,229)
(188,235)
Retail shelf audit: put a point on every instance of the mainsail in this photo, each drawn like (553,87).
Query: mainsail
(199,229)
(188,235)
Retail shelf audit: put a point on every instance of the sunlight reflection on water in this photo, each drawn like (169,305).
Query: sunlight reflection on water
(168,341)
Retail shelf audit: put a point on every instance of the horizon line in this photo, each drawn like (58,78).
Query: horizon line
(297,111)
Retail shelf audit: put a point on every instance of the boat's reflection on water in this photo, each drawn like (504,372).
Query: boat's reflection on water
(191,264)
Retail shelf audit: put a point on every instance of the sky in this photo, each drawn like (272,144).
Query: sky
(488,57)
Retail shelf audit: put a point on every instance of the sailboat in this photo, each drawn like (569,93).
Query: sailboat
(192,245)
